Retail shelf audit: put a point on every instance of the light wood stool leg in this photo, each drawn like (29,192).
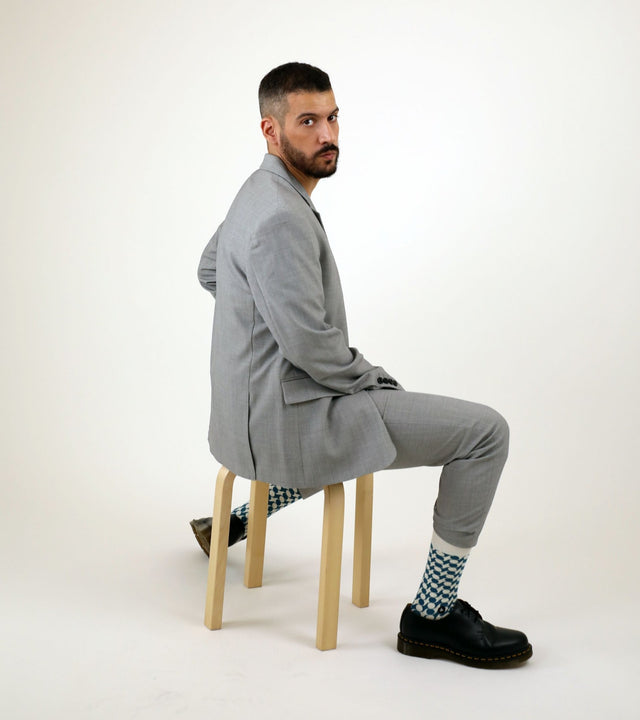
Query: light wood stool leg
(330,567)
(362,541)
(218,550)
(256,531)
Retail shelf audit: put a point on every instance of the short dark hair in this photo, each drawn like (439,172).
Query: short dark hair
(289,78)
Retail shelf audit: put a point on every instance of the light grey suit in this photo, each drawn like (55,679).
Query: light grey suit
(287,405)
(292,403)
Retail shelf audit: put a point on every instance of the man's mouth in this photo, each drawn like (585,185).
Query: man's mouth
(328,153)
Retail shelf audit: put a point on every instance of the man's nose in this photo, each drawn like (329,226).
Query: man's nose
(328,133)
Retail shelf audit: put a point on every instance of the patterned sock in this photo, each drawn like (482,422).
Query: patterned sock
(279,497)
(438,591)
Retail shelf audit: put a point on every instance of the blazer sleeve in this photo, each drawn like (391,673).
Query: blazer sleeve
(207,266)
(285,276)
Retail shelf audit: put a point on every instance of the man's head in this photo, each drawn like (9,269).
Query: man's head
(292,77)
(300,120)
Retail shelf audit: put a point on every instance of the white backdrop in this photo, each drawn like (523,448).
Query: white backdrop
(487,194)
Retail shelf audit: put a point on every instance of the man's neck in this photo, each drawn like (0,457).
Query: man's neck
(307,182)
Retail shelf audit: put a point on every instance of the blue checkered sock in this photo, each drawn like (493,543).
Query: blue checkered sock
(438,590)
(279,497)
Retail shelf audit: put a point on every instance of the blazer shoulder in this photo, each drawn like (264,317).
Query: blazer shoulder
(268,200)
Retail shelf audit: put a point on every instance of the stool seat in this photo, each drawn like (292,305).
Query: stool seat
(331,554)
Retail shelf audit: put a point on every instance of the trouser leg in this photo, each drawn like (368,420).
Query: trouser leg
(470,442)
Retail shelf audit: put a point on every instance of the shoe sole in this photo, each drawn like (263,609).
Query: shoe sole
(425,650)
(201,541)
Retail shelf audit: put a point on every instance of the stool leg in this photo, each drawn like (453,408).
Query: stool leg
(256,531)
(330,567)
(362,541)
(218,550)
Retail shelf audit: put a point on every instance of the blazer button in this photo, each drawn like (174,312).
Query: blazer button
(380,381)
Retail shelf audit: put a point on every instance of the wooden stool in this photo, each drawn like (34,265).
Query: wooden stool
(331,559)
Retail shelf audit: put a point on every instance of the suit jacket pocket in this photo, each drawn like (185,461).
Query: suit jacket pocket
(305,389)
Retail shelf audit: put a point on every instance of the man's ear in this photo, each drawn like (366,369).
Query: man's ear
(270,130)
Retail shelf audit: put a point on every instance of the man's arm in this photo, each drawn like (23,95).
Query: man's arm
(285,277)
(207,267)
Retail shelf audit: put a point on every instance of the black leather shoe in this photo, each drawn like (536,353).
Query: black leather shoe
(464,637)
(202,530)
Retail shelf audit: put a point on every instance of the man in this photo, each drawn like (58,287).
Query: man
(294,405)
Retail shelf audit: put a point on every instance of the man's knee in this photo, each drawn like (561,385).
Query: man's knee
(495,432)
(500,432)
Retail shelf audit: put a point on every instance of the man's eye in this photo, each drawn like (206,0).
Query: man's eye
(333,118)
(308,122)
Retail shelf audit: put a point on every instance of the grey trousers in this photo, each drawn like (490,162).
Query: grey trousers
(468,440)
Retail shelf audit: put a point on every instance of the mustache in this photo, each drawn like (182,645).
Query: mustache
(326,148)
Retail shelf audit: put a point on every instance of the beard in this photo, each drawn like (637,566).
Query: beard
(314,166)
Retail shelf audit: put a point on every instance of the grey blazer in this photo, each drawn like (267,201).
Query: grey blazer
(289,400)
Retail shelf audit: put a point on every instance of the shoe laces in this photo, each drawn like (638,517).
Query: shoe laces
(469,611)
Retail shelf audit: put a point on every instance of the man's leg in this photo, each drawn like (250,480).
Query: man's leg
(470,442)
(279,497)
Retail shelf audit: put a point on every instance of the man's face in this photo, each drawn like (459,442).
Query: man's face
(309,133)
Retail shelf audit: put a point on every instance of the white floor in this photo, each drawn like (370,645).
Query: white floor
(102,618)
